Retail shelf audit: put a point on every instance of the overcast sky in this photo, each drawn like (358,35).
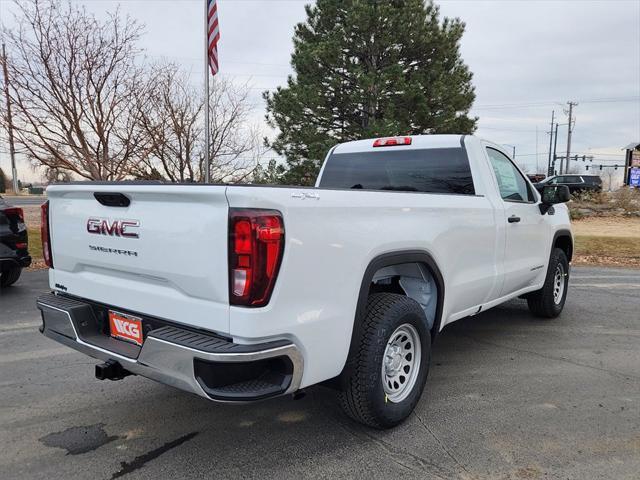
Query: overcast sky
(527,57)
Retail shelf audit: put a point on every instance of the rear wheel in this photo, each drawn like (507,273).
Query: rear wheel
(391,363)
(10,276)
(548,302)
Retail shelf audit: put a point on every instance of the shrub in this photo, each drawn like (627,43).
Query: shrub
(627,199)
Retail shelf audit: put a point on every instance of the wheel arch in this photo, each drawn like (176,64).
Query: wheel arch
(387,260)
(563,240)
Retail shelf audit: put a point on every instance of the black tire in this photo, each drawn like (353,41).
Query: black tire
(363,395)
(544,303)
(10,276)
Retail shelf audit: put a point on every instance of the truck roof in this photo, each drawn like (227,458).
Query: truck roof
(417,142)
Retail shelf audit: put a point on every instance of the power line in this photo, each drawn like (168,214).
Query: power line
(506,129)
(499,106)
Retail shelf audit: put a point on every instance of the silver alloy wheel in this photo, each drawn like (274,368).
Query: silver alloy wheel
(558,284)
(401,363)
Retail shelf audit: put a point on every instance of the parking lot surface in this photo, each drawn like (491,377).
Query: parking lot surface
(508,397)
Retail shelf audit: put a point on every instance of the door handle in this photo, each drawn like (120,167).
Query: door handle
(513,219)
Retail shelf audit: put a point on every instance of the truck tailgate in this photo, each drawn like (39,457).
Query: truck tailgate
(164,255)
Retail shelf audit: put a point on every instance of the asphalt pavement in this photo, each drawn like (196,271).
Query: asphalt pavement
(508,397)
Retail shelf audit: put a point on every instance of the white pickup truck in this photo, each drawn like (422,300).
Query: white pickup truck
(241,293)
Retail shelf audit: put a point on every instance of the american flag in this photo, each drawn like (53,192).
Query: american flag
(213,35)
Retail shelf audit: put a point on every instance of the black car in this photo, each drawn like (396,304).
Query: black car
(14,241)
(576,183)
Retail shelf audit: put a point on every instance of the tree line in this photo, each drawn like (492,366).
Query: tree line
(88,104)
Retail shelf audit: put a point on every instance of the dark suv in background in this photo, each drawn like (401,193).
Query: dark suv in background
(576,183)
(14,255)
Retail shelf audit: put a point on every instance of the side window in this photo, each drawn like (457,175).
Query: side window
(513,186)
(573,179)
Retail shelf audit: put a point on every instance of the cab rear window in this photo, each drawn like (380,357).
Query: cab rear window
(434,170)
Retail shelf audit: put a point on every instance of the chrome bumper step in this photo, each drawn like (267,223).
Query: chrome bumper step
(205,364)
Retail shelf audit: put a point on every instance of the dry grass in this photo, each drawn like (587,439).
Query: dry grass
(32,219)
(601,250)
(624,202)
(607,227)
(607,241)
(35,248)
(32,215)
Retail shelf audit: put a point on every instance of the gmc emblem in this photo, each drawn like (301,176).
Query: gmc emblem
(114,228)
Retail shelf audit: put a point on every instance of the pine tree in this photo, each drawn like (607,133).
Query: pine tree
(269,175)
(369,68)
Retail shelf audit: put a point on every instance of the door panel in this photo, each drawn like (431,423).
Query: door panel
(526,230)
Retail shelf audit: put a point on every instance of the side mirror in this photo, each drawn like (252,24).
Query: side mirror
(553,194)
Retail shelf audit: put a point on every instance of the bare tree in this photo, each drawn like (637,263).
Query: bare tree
(236,145)
(73,84)
(171,115)
(55,175)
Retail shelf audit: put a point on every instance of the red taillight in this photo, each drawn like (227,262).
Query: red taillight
(15,212)
(45,234)
(392,141)
(21,245)
(256,245)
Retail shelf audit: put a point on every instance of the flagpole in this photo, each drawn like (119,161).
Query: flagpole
(206,92)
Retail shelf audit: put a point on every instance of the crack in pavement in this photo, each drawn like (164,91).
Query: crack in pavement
(624,376)
(141,460)
(393,453)
(443,446)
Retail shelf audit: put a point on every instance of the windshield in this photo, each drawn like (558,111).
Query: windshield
(435,170)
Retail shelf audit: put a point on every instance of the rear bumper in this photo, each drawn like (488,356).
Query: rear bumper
(25,261)
(22,261)
(197,362)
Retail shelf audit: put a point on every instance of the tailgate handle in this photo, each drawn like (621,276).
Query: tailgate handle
(112,199)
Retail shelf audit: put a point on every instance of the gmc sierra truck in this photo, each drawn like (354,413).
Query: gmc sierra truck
(242,293)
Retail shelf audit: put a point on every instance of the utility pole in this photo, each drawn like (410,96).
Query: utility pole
(537,161)
(555,144)
(549,171)
(12,150)
(569,131)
